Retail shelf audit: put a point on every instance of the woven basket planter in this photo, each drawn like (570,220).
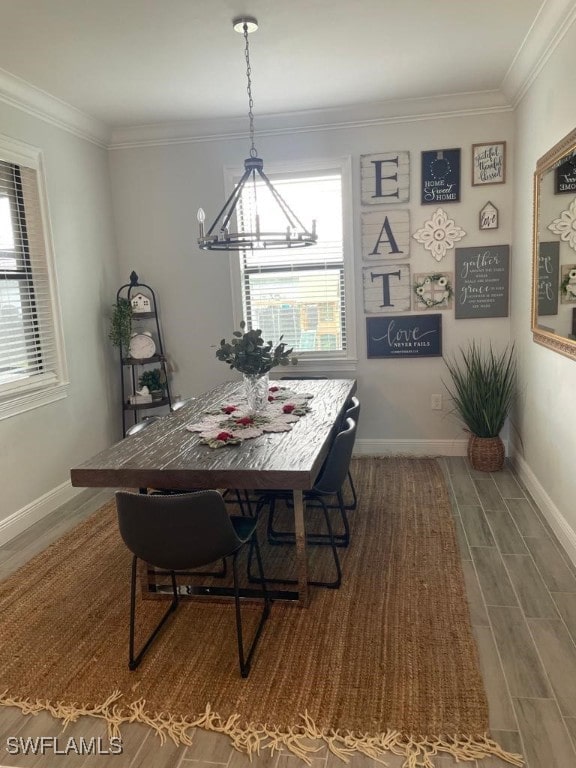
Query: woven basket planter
(486,453)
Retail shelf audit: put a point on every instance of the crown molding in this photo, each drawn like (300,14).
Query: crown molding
(354,116)
(547,31)
(28,98)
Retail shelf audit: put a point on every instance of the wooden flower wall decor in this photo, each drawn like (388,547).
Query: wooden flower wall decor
(565,225)
(439,234)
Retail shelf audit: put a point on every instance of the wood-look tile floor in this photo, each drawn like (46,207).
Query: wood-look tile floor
(522,595)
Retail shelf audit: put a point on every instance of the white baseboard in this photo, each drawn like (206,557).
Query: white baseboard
(556,520)
(411,447)
(23,518)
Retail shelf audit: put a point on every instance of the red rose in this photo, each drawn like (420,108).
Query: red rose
(273,389)
(245,420)
(224,436)
(271,399)
(288,408)
(229,408)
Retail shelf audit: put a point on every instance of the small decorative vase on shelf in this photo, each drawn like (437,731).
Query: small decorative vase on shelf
(256,391)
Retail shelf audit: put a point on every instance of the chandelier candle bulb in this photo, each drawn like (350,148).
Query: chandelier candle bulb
(201,216)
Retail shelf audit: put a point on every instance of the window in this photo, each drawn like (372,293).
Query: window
(31,364)
(303,294)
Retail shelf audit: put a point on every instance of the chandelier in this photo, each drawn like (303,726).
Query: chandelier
(220,236)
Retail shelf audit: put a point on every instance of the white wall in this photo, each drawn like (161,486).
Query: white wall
(37,448)
(158,189)
(546,416)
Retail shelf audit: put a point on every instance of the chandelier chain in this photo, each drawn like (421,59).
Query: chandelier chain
(253,152)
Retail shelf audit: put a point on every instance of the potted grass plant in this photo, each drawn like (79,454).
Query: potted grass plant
(483,389)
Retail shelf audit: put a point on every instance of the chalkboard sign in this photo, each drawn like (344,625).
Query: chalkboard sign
(404,336)
(548,278)
(482,277)
(440,176)
(565,177)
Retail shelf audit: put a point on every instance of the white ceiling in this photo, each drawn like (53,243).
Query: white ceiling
(131,62)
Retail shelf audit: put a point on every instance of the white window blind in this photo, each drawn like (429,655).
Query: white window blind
(29,354)
(298,293)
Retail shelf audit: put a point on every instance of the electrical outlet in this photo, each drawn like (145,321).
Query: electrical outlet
(436,402)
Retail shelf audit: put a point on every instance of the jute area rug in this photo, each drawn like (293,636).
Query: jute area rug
(385,664)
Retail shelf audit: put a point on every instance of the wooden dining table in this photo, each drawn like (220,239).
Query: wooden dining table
(167,455)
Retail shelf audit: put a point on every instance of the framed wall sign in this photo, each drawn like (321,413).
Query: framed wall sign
(548,277)
(489,216)
(385,234)
(565,177)
(404,336)
(489,163)
(440,176)
(386,288)
(385,178)
(482,278)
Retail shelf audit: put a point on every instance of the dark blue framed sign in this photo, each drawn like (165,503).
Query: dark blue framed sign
(565,177)
(404,336)
(440,176)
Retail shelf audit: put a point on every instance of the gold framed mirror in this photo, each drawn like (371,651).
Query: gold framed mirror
(554,249)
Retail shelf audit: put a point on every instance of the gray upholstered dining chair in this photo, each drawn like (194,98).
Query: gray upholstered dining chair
(180,533)
(352,412)
(180,403)
(329,483)
(140,425)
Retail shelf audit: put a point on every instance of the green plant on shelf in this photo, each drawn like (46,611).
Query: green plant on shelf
(121,324)
(154,379)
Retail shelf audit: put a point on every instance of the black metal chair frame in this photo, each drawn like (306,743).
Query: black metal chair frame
(316,498)
(245,658)
(341,540)
(271,501)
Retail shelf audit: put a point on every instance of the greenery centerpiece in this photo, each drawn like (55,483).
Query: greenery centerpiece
(483,390)
(248,353)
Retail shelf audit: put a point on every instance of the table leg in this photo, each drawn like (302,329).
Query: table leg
(301,561)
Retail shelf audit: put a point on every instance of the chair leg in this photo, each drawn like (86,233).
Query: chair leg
(134,661)
(246,501)
(317,539)
(246,660)
(352,506)
(331,541)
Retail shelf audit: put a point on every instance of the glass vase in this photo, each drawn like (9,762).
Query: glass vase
(256,391)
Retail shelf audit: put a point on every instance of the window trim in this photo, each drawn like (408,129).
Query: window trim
(313,361)
(28,394)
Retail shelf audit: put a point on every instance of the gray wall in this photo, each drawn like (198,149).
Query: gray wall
(158,189)
(37,448)
(546,416)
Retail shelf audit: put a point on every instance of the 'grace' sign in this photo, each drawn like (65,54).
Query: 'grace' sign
(481,288)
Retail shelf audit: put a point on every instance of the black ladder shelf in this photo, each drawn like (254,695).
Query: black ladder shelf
(131,368)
